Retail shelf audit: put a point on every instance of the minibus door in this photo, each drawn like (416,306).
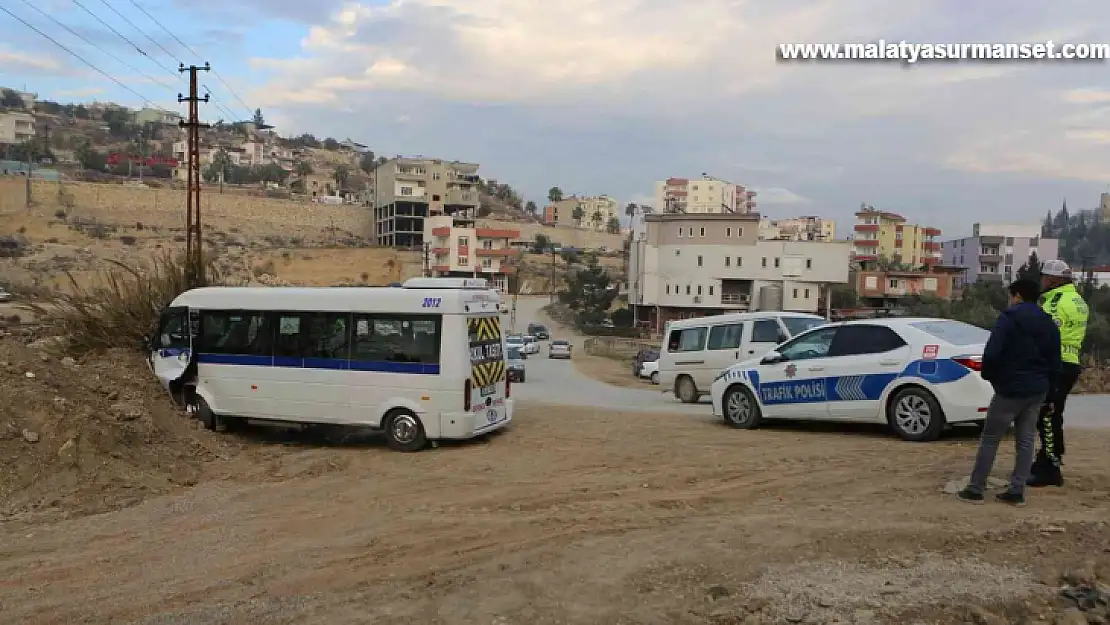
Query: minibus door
(171,347)
(487,370)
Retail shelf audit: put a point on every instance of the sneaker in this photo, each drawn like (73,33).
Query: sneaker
(1013,499)
(969,496)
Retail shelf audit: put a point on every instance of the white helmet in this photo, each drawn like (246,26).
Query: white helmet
(1056,268)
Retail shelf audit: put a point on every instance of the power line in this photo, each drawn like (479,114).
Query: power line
(191,50)
(143,32)
(113,29)
(78,56)
(86,40)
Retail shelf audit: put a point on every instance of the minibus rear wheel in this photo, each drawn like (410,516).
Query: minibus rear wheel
(404,431)
(205,414)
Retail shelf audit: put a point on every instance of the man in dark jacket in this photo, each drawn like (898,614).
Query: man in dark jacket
(1021,358)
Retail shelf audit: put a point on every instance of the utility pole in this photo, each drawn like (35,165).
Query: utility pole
(553,256)
(427,259)
(194,256)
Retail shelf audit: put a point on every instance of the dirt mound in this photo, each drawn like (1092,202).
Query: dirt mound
(85,436)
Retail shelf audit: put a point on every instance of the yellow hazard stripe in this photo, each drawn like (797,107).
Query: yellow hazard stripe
(485,328)
(488,373)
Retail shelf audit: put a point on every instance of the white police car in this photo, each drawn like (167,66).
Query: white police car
(916,374)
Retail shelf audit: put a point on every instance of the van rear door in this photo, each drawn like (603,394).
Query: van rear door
(487,369)
(171,346)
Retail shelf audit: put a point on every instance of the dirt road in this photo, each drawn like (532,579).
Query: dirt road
(571,516)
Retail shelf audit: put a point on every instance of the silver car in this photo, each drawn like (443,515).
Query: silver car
(559,348)
(515,361)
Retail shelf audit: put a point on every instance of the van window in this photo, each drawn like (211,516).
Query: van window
(242,333)
(766,331)
(797,325)
(393,337)
(688,340)
(725,337)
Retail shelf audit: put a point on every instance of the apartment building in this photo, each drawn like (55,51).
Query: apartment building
(16,127)
(693,265)
(805,228)
(246,154)
(882,234)
(596,212)
(160,117)
(458,247)
(702,195)
(889,289)
(409,190)
(994,252)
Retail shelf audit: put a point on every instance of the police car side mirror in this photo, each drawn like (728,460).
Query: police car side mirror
(771,358)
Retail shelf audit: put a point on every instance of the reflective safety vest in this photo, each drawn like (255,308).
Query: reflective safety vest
(1069,311)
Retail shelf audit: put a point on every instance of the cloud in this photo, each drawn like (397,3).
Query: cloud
(80,94)
(22,64)
(778,195)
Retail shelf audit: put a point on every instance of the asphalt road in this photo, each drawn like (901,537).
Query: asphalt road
(558,382)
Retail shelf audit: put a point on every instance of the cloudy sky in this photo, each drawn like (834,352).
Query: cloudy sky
(606,96)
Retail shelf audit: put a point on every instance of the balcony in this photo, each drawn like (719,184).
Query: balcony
(931,246)
(866,227)
(990,259)
(990,277)
(441,231)
(497,233)
(866,242)
(440,251)
(865,257)
(410,174)
(930,260)
(734,299)
(441,267)
(494,252)
(461,197)
(932,232)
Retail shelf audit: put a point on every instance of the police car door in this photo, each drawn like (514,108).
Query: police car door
(863,361)
(795,385)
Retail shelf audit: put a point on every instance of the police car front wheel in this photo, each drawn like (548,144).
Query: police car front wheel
(740,408)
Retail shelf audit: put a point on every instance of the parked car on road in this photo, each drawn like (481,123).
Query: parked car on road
(646,354)
(916,375)
(650,370)
(514,360)
(559,348)
(4,295)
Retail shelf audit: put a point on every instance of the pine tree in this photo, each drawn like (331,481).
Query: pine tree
(1031,269)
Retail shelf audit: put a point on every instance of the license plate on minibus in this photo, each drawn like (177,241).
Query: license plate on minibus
(488,390)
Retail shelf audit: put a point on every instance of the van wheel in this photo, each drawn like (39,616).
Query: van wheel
(685,389)
(655,377)
(740,408)
(404,431)
(915,415)
(207,418)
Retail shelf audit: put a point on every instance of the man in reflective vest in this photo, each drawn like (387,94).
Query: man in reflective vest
(1066,307)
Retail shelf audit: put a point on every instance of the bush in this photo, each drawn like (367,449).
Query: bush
(599,330)
(622,318)
(123,308)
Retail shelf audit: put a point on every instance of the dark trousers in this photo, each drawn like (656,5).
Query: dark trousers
(1051,424)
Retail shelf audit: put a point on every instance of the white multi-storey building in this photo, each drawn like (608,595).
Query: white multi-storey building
(702,195)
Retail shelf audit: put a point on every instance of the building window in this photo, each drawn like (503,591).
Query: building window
(699,289)
(435,198)
(776,263)
(894,284)
(711,289)
(668,289)
(764,261)
(695,187)
(680,232)
(739,261)
(487,263)
(807,293)
(809,263)
(464,241)
(699,261)
(487,244)
(435,175)
(702,232)
(687,289)
(728,261)
(690,231)
(463,261)
(739,232)
(728,232)
(795,293)
(678,252)
(406,190)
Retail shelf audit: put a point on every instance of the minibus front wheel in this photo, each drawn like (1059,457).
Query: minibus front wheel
(404,431)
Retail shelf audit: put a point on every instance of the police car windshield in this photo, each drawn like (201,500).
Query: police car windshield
(797,325)
(954,332)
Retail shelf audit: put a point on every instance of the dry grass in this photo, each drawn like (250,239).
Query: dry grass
(1094,379)
(122,307)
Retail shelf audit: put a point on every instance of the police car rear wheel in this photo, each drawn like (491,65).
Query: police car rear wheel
(916,415)
(740,408)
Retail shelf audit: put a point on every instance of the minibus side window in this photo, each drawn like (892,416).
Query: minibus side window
(312,335)
(395,337)
(238,332)
(688,340)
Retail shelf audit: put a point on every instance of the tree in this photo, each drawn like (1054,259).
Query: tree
(554,194)
(589,292)
(302,168)
(10,99)
(597,218)
(541,243)
(843,296)
(1031,269)
(331,144)
(531,208)
(89,158)
(81,111)
(614,226)
(578,214)
(622,318)
(630,210)
(341,175)
(259,120)
(219,169)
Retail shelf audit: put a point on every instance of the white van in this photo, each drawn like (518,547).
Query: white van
(422,362)
(695,350)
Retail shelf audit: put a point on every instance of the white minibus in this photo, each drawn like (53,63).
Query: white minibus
(421,362)
(696,349)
